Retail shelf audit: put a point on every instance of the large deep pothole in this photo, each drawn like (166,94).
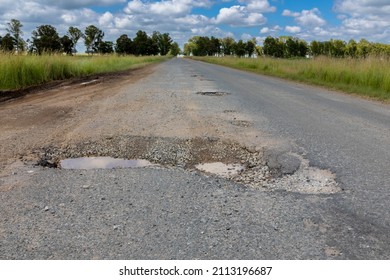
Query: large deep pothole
(256,168)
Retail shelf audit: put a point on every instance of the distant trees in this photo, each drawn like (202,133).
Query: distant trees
(124,45)
(45,39)
(174,49)
(163,42)
(7,43)
(211,46)
(285,47)
(74,35)
(15,30)
(352,49)
(93,36)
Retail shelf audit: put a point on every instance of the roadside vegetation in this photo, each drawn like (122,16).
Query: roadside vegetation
(366,77)
(21,71)
(47,56)
(355,67)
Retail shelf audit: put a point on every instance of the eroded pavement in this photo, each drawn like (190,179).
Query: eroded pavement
(218,185)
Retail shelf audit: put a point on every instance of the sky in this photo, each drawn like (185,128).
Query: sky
(241,19)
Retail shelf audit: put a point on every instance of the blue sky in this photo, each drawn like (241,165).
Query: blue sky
(241,19)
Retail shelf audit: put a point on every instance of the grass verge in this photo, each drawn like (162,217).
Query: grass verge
(21,71)
(366,77)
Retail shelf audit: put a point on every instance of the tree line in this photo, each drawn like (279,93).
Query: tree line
(284,47)
(205,46)
(45,39)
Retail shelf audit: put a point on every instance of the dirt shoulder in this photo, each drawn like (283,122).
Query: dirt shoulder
(39,116)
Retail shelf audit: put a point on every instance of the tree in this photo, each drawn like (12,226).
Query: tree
(315,48)
(67,45)
(363,48)
(75,34)
(303,48)
(175,49)
(151,46)
(141,43)
(351,48)
(240,48)
(7,43)
(124,45)
(273,47)
(106,47)
(214,46)
(292,47)
(250,47)
(93,37)
(189,47)
(227,45)
(46,39)
(338,48)
(163,41)
(15,28)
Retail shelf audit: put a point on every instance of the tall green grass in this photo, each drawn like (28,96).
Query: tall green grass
(367,77)
(20,71)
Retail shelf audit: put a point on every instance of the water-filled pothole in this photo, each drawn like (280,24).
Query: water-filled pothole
(265,170)
(212,93)
(102,163)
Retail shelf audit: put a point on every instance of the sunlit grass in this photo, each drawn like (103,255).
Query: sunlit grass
(20,71)
(368,77)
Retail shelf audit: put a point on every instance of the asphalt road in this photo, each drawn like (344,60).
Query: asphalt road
(347,135)
(175,213)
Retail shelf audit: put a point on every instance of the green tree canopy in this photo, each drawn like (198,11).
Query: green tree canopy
(15,29)
(46,39)
(93,36)
(75,34)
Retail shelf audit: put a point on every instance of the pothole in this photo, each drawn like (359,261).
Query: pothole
(221,169)
(88,163)
(256,168)
(229,111)
(212,93)
(241,123)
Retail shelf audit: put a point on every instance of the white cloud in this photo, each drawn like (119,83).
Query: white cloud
(264,30)
(239,16)
(288,13)
(308,18)
(293,29)
(74,4)
(362,7)
(106,19)
(260,6)
(365,18)
(273,29)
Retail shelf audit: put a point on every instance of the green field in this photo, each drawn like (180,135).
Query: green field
(21,71)
(367,77)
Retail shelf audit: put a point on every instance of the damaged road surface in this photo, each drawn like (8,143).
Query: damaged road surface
(186,160)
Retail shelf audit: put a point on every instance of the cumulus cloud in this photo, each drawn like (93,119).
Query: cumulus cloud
(74,4)
(293,29)
(365,18)
(239,16)
(308,18)
(166,7)
(267,30)
(260,6)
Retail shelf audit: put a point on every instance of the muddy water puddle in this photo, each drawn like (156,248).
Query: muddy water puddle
(88,163)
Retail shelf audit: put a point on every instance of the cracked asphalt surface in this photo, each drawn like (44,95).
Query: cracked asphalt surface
(297,141)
